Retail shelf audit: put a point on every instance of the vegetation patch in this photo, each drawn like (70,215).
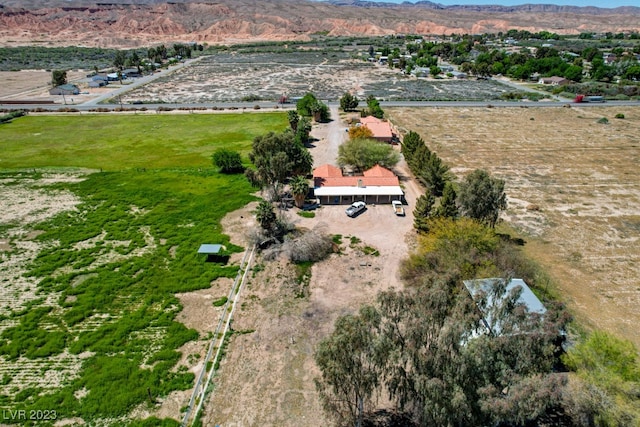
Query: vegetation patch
(220,301)
(102,308)
(306,214)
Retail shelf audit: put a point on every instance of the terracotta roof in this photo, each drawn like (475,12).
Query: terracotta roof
(378,170)
(370,119)
(380,130)
(331,176)
(327,171)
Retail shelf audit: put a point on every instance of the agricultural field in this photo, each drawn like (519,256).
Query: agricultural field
(268,76)
(97,266)
(573,190)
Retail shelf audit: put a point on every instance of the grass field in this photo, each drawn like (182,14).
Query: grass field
(90,263)
(116,142)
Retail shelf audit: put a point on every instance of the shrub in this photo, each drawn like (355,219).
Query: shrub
(619,116)
(220,302)
(228,161)
(603,121)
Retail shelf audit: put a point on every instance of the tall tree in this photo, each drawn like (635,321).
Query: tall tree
(293,118)
(349,102)
(58,77)
(363,154)
(482,197)
(299,188)
(447,207)
(434,174)
(422,212)
(348,362)
(410,144)
(277,156)
(119,59)
(266,216)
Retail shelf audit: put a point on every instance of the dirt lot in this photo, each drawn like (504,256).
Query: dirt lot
(573,188)
(32,84)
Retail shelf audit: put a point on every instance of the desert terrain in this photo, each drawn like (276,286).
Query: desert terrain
(118,24)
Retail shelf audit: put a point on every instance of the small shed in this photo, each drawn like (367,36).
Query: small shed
(212,251)
(485,288)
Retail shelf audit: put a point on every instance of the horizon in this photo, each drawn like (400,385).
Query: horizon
(610,4)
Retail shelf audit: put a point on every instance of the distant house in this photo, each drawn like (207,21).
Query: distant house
(66,89)
(381,129)
(420,72)
(484,294)
(376,185)
(97,83)
(131,72)
(554,81)
(459,75)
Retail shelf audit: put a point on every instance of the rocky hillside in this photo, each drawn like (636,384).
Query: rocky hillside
(128,23)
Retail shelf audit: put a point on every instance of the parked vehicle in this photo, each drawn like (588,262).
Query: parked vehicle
(584,98)
(356,208)
(398,209)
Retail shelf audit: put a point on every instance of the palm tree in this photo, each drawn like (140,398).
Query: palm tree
(265,215)
(299,188)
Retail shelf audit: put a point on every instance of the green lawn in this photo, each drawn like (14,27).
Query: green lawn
(115,264)
(116,142)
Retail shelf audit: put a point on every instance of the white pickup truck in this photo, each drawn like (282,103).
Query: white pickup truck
(398,209)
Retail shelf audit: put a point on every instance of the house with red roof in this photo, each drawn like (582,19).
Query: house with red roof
(381,129)
(376,185)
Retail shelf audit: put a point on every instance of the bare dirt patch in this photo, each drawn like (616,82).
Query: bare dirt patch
(573,188)
(31,84)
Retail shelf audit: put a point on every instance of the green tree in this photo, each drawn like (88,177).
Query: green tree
(447,207)
(434,174)
(293,118)
(482,197)
(58,77)
(348,362)
(135,60)
(119,59)
(304,105)
(299,188)
(410,144)
(227,160)
(422,212)
(349,102)
(373,107)
(277,156)
(363,154)
(266,216)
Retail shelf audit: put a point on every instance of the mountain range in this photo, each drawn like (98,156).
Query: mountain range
(130,23)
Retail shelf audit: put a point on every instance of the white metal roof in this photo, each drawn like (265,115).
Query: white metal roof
(370,190)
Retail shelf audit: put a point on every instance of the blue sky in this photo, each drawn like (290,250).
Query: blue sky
(598,3)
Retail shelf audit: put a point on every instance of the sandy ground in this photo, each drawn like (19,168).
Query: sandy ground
(573,189)
(35,85)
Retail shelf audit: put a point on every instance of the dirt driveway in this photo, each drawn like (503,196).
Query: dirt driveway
(267,375)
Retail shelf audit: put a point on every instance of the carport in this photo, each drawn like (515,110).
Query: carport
(347,195)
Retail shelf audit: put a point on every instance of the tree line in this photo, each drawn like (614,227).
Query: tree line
(424,349)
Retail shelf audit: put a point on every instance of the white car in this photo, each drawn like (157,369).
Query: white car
(356,208)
